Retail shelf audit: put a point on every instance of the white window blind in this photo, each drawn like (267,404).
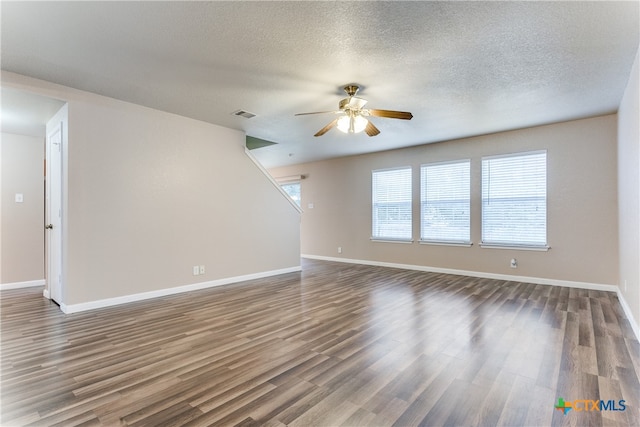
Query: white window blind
(514,200)
(391,202)
(445,202)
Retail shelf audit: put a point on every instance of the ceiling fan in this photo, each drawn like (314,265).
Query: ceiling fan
(353,117)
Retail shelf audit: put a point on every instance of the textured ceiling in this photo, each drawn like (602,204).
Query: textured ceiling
(26,113)
(461,68)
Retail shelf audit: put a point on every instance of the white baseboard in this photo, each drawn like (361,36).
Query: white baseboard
(108,302)
(18,285)
(507,277)
(629,314)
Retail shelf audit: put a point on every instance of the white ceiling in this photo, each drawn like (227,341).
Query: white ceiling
(26,113)
(461,68)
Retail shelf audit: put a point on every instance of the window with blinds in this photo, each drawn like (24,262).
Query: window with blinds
(514,200)
(391,203)
(445,203)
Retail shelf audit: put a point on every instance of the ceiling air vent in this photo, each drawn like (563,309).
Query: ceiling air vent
(242,113)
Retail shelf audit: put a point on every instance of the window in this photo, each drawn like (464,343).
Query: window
(391,202)
(293,190)
(445,203)
(514,200)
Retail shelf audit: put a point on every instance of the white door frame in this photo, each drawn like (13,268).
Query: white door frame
(56,137)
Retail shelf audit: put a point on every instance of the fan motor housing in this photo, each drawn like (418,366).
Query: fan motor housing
(351,89)
(352,103)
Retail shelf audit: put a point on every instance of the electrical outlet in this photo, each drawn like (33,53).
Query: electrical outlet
(202,269)
(339,249)
(514,263)
(196,270)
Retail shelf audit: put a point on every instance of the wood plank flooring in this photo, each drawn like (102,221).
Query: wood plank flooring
(334,345)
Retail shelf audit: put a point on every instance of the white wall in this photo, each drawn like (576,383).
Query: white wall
(22,241)
(149,194)
(629,193)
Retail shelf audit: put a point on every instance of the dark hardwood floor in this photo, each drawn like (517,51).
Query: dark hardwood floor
(337,344)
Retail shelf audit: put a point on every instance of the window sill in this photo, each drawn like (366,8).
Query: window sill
(436,243)
(383,240)
(515,247)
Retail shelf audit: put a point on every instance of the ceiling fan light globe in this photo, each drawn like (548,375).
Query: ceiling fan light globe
(352,124)
(344,123)
(359,123)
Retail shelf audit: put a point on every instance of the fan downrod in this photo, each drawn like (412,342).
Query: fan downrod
(351,89)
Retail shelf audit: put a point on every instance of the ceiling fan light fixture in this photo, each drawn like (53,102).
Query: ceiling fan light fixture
(353,117)
(352,123)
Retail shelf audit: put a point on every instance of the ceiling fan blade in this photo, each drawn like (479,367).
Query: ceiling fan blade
(371,129)
(326,128)
(315,112)
(404,115)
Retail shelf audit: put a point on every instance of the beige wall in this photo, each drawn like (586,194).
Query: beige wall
(629,193)
(150,194)
(22,239)
(582,204)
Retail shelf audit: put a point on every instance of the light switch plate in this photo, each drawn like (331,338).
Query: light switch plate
(19,198)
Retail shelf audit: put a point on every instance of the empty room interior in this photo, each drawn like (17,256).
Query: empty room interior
(245,213)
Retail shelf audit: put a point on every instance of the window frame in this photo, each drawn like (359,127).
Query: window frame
(424,186)
(299,184)
(498,244)
(387,238)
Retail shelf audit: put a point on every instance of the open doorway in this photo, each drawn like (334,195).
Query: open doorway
(24,122)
